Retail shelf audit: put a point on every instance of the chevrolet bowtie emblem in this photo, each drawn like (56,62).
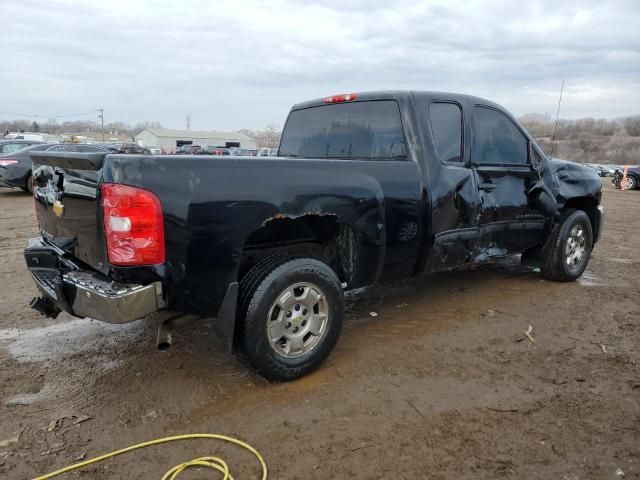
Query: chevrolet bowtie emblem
(58,208)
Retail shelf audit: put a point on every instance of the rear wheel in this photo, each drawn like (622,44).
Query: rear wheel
(292,316)
(572,248)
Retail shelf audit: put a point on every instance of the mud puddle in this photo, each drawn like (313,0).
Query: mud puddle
(73,337)
(589,279)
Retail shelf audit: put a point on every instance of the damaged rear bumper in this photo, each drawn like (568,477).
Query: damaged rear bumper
(86,293)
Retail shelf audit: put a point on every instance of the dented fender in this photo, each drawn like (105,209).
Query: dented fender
(567,180)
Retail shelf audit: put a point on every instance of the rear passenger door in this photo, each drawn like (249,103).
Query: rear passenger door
(500,159)
(454,193)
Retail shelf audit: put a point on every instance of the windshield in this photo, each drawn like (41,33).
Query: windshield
(31,148)
(13,147)
(359,130)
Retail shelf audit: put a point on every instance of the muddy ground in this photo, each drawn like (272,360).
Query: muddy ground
(441,384)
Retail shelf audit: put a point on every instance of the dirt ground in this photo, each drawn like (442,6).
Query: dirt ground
(441,384)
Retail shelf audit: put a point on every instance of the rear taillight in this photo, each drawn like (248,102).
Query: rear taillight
(345,97)
(133,225)
(7,161)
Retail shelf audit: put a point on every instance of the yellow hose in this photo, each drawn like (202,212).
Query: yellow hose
(206,462)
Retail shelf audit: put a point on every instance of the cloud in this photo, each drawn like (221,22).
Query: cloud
(244,63)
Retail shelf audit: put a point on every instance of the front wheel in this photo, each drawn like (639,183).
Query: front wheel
(631,183)
(28,186)
(572,248)
(292,315)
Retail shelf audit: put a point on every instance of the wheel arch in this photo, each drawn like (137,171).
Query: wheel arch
(317,235)
(589,205)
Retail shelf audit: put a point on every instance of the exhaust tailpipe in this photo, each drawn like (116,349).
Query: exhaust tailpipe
(165,330)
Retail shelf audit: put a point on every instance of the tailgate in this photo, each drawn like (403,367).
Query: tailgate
(65,188)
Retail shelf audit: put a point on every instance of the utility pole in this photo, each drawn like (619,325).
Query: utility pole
(188,122)
(102,122)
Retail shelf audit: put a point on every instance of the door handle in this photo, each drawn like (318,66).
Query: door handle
(487,186)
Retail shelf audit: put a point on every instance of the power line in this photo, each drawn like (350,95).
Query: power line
(49,116)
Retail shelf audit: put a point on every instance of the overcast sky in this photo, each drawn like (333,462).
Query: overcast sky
(235,64)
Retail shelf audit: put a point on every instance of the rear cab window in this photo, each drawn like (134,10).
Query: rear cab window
(367,130)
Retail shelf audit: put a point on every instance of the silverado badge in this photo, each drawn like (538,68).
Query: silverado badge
(58,208)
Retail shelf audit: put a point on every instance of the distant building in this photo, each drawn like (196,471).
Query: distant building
(171,139)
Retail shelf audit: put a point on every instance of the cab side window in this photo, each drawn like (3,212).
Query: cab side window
(89,148)
(59,148)
(497,139)
(446,129)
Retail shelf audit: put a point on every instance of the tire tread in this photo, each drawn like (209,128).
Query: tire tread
(552,266)
(253,292)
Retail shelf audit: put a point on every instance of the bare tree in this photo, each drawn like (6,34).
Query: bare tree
(268,138)
(140,126)
(632,125)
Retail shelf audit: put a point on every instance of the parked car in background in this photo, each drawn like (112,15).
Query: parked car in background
(239,152)
(371,187)
(12,145)
(268,152)
(188,150)
(253,153)
(597,168)
(15,167)
(632,182)
(213,150)
(603,170)
(35,137)
(126,147)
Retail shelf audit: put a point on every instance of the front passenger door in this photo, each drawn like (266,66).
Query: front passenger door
(500,157)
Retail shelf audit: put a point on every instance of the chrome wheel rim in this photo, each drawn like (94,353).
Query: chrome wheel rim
(628,184)
(297,320)
(575,248)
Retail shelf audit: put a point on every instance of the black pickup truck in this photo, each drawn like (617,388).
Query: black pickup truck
(366,188)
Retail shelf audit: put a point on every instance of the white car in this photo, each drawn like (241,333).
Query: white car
(268,152)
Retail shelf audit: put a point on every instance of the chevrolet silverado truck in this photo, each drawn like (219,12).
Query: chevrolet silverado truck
(367,188)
